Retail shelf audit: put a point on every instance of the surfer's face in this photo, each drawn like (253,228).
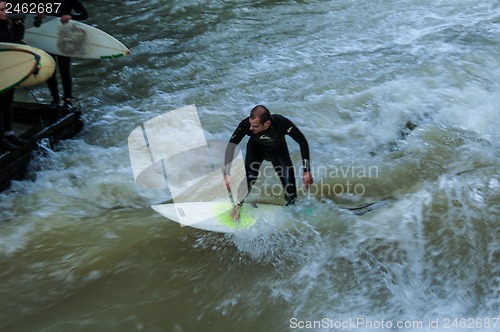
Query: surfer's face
(3,10)
(257,127)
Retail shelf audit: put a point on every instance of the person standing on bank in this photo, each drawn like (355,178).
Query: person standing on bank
(267,142)
(69,10)
(8,34)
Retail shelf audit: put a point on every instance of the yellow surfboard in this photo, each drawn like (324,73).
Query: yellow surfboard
(45,66)
(15,67)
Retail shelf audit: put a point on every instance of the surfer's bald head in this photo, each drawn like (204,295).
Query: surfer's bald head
(261,112)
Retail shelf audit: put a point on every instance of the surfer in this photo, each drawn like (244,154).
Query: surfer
(8,141)
(267,142)
(69,10)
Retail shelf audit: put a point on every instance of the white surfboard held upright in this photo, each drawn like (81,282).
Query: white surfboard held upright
(74,39)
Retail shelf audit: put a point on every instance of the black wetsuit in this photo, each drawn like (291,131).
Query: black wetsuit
(270,145)
(78,13)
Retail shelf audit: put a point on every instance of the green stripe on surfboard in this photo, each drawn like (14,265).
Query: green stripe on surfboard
(223,211)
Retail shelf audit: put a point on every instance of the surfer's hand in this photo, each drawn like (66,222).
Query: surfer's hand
(65,19)
(307,179)
(235,213)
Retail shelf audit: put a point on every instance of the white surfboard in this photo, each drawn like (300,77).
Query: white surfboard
(15,67)
(45,66)
(215,216)
(73,39)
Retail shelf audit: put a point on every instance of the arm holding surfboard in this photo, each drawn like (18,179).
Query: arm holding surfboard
(72,10)
(67,10)
(267,142)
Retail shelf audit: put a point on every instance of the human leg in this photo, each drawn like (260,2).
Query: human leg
(52,85)
(286,172)
(65,72)
(7,139)
(253,161)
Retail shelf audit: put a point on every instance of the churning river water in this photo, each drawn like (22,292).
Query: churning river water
(397,99)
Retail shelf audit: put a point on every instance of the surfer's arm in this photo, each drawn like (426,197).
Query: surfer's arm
(79,12)
(73,10)
(307,178)
(241,131)
(238,135)
(298,137)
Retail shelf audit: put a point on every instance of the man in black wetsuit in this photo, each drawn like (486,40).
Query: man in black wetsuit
(9,33)
(68,10)
(267,142)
